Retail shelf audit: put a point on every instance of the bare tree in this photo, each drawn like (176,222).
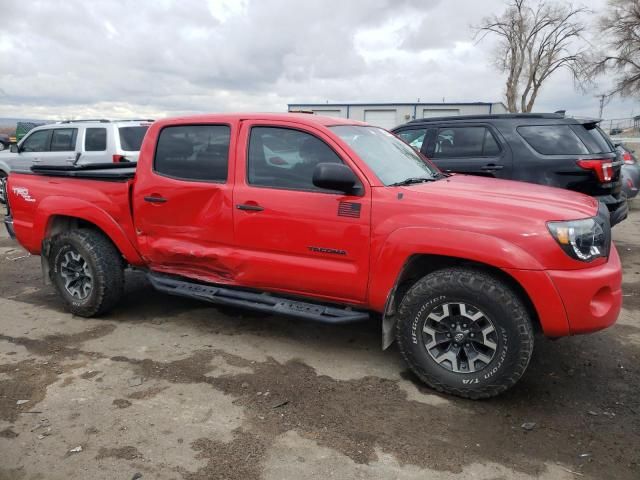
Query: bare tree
(621,25)
(536,39)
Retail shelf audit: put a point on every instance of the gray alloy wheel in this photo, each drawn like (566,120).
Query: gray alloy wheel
(2,146)
(459,337)
(74,270)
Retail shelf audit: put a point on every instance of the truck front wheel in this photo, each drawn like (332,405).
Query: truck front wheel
(87,270)
(465,332)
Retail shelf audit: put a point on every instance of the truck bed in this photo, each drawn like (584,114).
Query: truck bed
(97,194)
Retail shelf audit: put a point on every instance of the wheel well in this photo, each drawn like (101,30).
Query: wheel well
(63,223)
(420,265)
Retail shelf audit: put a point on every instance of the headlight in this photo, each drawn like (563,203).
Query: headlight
(583,240)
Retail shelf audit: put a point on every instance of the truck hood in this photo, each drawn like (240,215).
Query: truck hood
(467,194)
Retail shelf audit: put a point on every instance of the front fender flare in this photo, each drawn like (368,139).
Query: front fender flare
(404,243)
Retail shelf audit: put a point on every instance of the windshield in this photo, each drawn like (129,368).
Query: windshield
(131,137)
(392,160)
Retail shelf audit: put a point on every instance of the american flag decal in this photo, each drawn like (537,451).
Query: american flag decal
(349,209)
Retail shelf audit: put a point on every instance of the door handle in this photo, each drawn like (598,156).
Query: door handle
(249,207)
(491,167)
(155,199)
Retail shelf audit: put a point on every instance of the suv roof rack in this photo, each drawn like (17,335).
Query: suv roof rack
(101,120)
(134,120)
(105,120)
(487,116)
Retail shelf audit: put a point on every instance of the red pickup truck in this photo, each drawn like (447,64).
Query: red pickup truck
(335,221)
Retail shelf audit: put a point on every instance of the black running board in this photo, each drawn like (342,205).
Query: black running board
(263,302)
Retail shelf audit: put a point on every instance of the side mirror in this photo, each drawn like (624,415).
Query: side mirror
(14,148)
(335,176)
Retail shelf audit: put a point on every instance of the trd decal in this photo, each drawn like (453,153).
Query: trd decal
(327,250)
(349,209)
(24,193)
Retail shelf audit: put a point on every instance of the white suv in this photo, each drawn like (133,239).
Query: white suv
(77,142)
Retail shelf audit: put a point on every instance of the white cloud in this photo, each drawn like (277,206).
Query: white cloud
(131,58)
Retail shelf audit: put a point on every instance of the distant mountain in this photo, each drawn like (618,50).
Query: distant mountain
(11,122)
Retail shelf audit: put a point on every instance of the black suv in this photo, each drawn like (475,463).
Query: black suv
(547,148)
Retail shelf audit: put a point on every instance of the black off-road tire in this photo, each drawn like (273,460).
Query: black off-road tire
(104,262)
(512,322)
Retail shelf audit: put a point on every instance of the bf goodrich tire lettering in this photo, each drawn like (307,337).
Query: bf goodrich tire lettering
(464,332)
(91,257)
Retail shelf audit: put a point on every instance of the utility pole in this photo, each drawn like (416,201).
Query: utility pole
(602,104)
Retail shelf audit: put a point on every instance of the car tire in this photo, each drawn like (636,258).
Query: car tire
(465,332)
(2,146)
(87,270)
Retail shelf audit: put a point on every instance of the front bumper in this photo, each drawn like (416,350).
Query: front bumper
(569,302)
(592,297)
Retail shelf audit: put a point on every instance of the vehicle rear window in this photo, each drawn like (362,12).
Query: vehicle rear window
(597,139)
(194,152)
(131,137)
(553,139)
(95,140)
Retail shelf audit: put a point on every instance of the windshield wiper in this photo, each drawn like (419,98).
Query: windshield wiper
(439,175)
(412,180)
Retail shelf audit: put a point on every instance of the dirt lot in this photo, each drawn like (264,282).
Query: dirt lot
(166,388)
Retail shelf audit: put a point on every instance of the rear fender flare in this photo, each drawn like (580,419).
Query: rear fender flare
(55,206)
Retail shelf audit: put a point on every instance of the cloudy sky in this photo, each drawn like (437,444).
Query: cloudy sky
(81,58)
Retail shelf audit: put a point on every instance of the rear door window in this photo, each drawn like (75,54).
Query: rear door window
(63,139)
(460,142)
(95,140)
(553,139)
(131,137)
(194,152)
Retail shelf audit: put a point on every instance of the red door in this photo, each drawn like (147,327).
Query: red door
(291,235)
(182,209)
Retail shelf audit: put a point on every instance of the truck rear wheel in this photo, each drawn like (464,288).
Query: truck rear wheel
(465,332)
(87,270)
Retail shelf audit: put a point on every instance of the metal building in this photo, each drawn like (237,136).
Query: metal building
(388,115)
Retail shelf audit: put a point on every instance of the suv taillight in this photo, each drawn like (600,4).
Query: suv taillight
(117,158)
(628,159)
(602,167)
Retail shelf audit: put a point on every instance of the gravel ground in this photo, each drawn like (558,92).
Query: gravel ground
(168,388)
